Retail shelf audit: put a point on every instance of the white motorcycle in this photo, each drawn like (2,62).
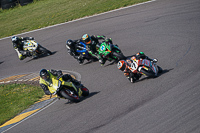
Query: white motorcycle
(35,49)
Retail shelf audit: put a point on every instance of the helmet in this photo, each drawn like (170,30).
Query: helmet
(121,65)
(44,74)
(86,39)
(140,55)
(70,43)
(14,38)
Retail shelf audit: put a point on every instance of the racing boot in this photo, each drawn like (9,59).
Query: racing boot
(80,60)
(102,61)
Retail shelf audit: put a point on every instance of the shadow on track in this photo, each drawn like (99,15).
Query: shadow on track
(91,61)
(159,74)
(41,56)
(84,98)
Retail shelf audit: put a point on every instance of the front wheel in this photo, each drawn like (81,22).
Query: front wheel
(160,70)
(42,50)
(119,56)
(85,91)
(68,94)
(148,73)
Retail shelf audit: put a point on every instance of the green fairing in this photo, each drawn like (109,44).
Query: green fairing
(105,49)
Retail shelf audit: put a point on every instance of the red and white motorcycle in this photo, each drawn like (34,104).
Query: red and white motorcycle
(144,66)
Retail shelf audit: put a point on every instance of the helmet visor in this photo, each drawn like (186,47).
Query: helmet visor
(87,41)
(45,77)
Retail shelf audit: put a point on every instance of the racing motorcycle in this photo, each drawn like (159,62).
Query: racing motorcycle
(144,67)
(82,50)
(58,87)
(110,52)
(35,49)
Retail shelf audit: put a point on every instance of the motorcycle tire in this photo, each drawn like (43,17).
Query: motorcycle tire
(160,70)
(148,73)
(119,56)
(25,2)
(6,4)
(85,91)
(73,97)
(43,50)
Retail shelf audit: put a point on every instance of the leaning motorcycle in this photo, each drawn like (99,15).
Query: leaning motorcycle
(35,49)
(144,67)
(73,93)
(110,52)
(83,52)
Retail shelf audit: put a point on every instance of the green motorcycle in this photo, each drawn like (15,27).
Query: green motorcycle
(110,52)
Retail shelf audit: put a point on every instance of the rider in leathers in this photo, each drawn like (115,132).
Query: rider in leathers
(18,43)
(123,66)
(46,77)
(18,46)
(75,45)
(93,43)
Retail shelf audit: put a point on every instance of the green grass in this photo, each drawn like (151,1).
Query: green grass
(43,13)
(14,98)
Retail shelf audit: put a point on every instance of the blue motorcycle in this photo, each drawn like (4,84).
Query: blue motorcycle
(82,53)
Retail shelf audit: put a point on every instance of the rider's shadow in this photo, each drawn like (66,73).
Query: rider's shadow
(41,56)
(159,74)
(84,98)
(1,62)
(91,61)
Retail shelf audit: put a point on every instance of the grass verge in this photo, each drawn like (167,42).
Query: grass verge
(14,98)
(43,13)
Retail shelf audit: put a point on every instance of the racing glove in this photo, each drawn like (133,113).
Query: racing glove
(155,60)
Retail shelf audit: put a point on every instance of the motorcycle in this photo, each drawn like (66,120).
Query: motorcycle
(110,52)
(144,67)
(82,50)
(58,87)
(35,49)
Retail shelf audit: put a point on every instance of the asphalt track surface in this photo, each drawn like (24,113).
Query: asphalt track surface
(168,30)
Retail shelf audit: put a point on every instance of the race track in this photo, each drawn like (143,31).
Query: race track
(168,30)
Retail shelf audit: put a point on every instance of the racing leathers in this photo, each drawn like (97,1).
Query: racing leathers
(18,46)
(55,75)
(95,44)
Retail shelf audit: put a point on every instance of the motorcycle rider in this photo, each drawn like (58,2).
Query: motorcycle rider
(46,77)
(75,45)
(124,64)
(93,43)
(18,43)
(18,46)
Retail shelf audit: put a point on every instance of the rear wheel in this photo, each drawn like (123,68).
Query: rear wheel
(68,94)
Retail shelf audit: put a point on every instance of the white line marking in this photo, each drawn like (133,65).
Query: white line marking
(80,19)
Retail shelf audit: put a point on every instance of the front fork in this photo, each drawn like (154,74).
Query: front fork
(77,89)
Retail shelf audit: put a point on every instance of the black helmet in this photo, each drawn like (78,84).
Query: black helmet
(15,39)
(140,55)
(70,43)
(44,74)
